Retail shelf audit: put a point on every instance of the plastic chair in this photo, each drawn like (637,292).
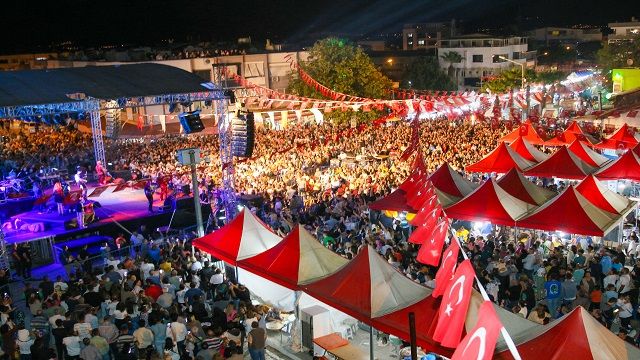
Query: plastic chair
(397,345)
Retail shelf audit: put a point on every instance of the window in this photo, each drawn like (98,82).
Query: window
(478,58)
(420,42)
(516,55)
(410,35)
(496,58)
(409,42)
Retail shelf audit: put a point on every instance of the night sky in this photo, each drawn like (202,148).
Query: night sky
(33,25)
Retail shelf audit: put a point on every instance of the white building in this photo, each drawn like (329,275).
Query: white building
(624,31)
(480,56)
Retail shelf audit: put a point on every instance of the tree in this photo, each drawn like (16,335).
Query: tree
(343,68)
(618,54)
(424,73)
(452,57)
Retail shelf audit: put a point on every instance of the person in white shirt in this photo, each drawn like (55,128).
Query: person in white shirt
(72,344)
(623,285)
(146,269)
(83,330)
(196,266)
(611,278)
(59,284)
(177,331)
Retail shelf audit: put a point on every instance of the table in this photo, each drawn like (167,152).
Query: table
(331,341)
(349,352)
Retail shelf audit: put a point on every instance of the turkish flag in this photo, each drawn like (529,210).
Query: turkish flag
(140,123)
(429,216)
(523,130)
(425,193)
(431,248)
(480,342)
(420,233)
(454,305)
(447,268)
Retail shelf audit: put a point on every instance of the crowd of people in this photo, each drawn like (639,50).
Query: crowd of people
(163,301)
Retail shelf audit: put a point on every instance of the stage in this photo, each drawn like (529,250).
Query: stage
(121,211)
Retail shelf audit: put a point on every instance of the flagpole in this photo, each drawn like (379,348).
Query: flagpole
(505,335)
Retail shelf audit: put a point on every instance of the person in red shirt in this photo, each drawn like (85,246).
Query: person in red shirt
(152,290)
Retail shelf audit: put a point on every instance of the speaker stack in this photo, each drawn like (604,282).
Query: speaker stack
(191,122)
(243,134)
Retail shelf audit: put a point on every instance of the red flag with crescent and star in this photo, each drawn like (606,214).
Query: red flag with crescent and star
(454,305)
(480,342)
(447,268)
(431,249)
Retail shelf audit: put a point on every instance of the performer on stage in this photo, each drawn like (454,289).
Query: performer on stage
(58,196)
(148,192)
(102,173)
(81,181)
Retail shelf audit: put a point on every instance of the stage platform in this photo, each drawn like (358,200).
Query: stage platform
(114,208)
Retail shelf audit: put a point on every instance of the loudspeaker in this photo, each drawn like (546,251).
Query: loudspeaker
(243,135)
(191,122)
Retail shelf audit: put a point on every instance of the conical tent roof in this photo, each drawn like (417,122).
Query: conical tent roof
(602,197)
(623,138)
(576,335)
(518,186)
(449,181)
(528,151)
(490,203)
(525,130)
(626,167)
(367,287)
(571,213)
(395,201)
(562,164)
(586,154)
(500,160)
(296,260)
(244,237)
(572,133)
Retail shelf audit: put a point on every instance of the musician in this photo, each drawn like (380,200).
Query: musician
(102,173)
(148,192)
(81,181)
(58,196)
(163,183)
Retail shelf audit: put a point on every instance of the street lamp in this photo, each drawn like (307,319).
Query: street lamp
(526,112)
(517,63)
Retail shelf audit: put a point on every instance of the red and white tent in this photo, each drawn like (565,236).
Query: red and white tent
(515,184)
(604,198)
(572,133)
(622,139)
(576,335)
(500,160)
(529,152)
(588,155)
(367,287)
(563,164)
(397,199)
(446,180)
(571,213)
(296,260)
(490,203)
(243,237)
(525,130)
(626,167)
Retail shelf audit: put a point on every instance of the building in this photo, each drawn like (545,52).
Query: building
(624,31)
(625,79)
(25,61)
(561,35)
(481,56)
(426,35)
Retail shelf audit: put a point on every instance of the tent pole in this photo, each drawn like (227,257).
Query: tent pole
(412,335)
(371,357)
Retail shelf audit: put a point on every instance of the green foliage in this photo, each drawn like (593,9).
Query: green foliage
(617,54)
(344,68)
(341,67)
(425,74)
(512,78)
(451,57)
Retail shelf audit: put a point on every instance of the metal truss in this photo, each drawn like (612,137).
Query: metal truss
(4,256)
(228,193)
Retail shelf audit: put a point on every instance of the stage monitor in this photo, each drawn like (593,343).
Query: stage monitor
(191,122)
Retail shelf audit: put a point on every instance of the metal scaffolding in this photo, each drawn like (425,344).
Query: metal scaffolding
(228,193)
